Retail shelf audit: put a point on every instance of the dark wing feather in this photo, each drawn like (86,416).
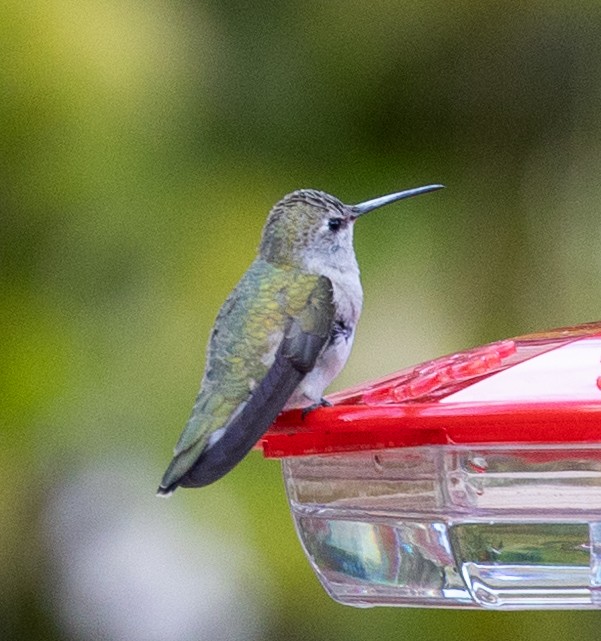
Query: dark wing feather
(306,335)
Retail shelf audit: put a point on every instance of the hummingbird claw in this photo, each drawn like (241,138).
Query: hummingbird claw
(321,403)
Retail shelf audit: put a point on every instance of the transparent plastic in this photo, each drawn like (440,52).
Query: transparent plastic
(470,481)
(453,526)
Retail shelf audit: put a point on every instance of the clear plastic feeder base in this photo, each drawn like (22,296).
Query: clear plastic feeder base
(469,481)
(494,527)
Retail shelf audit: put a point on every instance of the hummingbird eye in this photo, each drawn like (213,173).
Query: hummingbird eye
(334,224)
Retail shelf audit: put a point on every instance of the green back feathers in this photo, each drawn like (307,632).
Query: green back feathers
(248,330)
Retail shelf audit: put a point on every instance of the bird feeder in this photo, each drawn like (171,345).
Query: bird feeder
(469,481)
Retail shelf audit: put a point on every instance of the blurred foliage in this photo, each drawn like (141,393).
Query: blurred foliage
(141,146)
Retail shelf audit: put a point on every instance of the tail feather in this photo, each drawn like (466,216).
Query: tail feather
(199,466)
(179,467)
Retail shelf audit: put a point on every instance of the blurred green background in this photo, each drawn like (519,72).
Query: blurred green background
(142,144)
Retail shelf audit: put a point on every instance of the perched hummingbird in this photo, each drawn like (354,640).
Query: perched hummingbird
(282,335)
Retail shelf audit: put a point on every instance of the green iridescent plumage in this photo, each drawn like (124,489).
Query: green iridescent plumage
(269,301)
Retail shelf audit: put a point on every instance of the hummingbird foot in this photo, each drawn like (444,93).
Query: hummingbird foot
(321,403)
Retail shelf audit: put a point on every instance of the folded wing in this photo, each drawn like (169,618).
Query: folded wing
(307,329)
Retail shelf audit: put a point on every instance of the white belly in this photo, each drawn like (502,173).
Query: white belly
(348,299)
(329,364)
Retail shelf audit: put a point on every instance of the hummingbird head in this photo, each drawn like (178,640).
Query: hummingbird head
(308,228)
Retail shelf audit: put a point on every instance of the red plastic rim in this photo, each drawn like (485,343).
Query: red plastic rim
(536,389)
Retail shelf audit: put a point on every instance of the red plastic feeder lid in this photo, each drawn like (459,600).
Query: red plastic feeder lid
(540,388)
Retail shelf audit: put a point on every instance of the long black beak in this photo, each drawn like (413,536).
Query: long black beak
(370,205)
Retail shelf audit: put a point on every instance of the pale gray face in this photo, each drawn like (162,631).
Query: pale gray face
(306,226)
(331,238)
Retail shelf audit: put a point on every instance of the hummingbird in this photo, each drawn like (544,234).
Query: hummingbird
(282,335)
